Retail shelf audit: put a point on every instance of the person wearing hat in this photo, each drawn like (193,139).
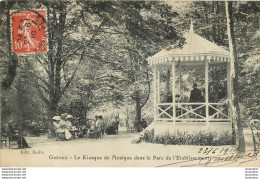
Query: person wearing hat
(74,122)
(15,135)
(68,122)
(102,125)
(67,126)
(98,120)
(56,124)
(63,121)
(60,127)
(63,118)
(93,123)
(93,126)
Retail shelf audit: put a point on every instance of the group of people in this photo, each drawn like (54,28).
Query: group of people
(107,126)
(196,96)
(96,127)
(63,124)
(70,126)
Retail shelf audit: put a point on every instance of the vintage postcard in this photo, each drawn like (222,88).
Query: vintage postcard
(130,83)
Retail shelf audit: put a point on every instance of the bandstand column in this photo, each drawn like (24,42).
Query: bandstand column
(158,86)
(180,85)
(207,88)
(155,92)
(229,88)
(180,79)
(173,89)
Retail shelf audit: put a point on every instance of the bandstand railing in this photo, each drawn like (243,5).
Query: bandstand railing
(200,112)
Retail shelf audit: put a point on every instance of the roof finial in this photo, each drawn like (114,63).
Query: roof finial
(191,26)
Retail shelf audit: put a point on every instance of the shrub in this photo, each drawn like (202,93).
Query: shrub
(183,138)
(149,136)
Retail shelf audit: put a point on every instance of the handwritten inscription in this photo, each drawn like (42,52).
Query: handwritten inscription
(221,158)
(224,151)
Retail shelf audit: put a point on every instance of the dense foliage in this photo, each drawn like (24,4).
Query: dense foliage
(98,50)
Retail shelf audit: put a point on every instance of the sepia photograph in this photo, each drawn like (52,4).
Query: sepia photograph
(129,83)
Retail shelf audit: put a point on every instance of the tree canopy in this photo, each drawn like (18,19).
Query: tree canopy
(98,50)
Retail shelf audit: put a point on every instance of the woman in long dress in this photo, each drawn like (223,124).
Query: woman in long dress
(60,127)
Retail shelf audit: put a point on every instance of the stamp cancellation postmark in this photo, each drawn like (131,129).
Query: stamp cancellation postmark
(29,31)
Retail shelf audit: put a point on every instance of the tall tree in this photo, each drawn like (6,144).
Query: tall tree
(5,50)
(67,41)
(145,29)
(234,77)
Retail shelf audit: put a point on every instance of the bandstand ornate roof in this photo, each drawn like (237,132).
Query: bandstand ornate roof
(195,49)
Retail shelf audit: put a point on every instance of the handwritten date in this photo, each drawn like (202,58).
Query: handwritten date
(212,150)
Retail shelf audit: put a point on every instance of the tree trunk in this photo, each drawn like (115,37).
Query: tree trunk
(55,63)
(127,117)
(218,22)
(85,114)
(52,111)
(52,107)
(207,33)
(214,22)
(86,107)
(13,62)
(137,106)
(234,78)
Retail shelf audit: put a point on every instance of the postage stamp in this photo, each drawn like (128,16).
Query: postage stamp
(29,31)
